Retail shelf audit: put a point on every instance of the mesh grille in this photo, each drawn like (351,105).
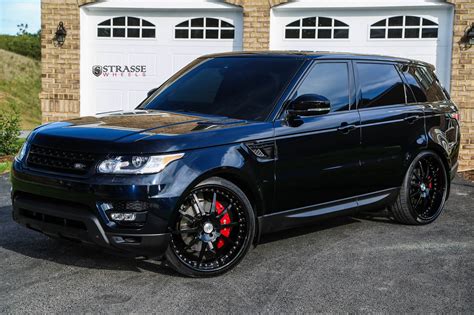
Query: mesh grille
(131,206)
(57,160)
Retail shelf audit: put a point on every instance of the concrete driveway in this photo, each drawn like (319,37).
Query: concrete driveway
(360,264)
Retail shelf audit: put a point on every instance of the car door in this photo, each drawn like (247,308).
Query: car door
(318,156)
(392,131)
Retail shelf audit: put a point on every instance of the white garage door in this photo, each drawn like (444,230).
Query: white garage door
(420,32)
(126,52)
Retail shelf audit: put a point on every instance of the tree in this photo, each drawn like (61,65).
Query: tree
(22,29)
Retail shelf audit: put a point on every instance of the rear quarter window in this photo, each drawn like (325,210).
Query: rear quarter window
(380,85)
(424,84)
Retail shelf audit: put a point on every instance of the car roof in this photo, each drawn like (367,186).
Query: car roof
(322,55)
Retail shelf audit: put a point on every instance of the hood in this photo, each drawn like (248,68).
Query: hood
(145,131)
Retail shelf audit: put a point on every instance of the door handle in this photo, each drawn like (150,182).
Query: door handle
(411,119)
(346,128)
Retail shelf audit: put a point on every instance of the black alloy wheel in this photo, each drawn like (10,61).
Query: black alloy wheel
(213,229)
(423,195)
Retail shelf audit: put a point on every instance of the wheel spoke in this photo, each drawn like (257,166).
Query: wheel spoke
(415,193)
(422,172)
(417,177)
(220,215)
(223,226)
(425,203)
(196,205)
(213,204)
(211,248)
(187,216)
(228,240)
(192,243)
(202,252)
(417,202)
(427,175)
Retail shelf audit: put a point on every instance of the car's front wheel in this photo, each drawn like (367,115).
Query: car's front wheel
(424,190)
(213,229)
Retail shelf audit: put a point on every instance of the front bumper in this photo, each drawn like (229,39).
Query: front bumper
(73,222)
(68,208)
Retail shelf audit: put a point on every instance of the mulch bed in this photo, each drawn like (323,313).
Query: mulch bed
(6,158)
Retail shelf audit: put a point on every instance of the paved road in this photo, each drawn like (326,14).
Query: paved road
(349,264)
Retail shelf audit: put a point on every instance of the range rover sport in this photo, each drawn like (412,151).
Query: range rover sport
(241,144)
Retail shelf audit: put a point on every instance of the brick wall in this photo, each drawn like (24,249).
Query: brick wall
(256,22)
(60,65)
(462,80)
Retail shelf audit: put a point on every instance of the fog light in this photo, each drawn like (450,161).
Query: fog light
(119,216)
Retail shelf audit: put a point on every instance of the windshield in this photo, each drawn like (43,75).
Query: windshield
(237,87)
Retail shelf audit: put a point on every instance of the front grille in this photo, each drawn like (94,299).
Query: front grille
(61,161)
(41,217)
(136,206)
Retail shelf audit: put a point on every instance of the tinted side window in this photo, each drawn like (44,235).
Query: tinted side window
(380,85)
(330,80)
(415,85)
(236,87)
(424,84)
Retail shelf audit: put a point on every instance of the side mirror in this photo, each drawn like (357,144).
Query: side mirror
(150,93)
(309,105)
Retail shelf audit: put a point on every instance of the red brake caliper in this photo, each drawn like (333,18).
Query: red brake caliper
(224,220)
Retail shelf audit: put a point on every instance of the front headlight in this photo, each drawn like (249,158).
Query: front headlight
(21,154)
(139,164)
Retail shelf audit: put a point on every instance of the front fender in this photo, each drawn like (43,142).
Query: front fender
(233,162)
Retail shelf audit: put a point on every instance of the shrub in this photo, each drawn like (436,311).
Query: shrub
(9,132)
(28,45)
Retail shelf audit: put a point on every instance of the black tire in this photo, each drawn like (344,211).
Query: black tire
(189,252)
(423,193)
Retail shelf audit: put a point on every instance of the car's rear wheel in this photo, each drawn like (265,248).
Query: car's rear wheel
(212,231)
(423,193)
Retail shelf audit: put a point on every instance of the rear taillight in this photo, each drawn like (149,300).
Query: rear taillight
(456,116)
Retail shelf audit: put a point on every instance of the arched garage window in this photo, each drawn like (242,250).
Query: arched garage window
(404,27)
(126,27)
(204,28)
(317,27)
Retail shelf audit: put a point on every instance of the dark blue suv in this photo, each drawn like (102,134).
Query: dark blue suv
(237,145)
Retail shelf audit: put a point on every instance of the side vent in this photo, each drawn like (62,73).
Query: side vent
(263,150)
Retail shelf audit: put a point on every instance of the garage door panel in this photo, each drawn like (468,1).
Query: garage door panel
(436,51)
(109,99)
(181,60)
(162,55)
(148,60)
(136,97)
(108,57)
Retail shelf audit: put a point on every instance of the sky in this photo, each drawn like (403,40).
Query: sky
(14,12)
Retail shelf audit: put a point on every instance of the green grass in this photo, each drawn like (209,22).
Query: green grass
(20,85)
(5,167)
(6,161)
